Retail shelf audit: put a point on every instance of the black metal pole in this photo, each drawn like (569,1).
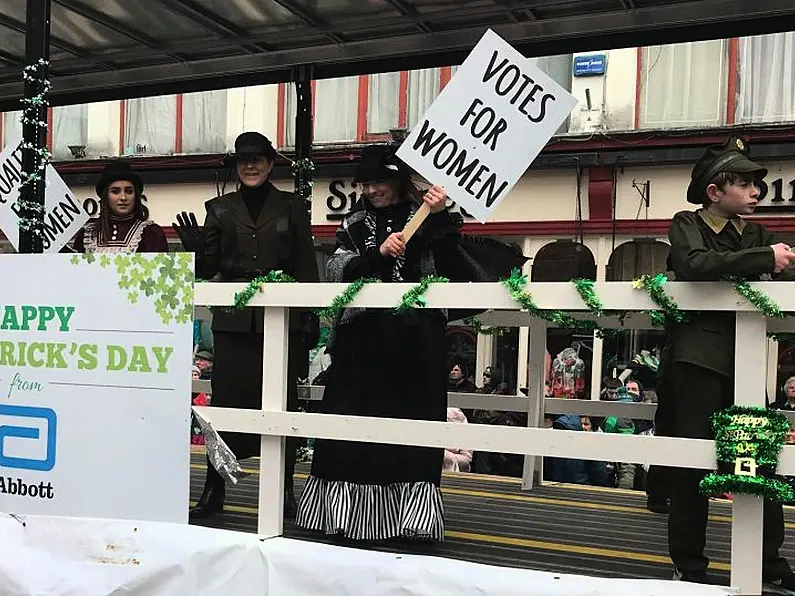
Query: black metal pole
(303,132)
(37,55)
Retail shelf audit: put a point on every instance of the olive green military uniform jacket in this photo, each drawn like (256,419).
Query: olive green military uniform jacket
(709,248)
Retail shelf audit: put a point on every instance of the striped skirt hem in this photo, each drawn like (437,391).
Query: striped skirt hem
(372,512)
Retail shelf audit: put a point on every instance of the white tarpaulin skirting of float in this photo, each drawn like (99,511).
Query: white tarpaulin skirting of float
(89,557)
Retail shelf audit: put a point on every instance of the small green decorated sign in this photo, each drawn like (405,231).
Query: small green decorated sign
(748,442)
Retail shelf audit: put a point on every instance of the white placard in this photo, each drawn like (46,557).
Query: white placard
(487,126)
(95,385)
(64,214)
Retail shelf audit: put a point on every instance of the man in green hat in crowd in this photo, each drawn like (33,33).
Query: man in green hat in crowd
(697,363)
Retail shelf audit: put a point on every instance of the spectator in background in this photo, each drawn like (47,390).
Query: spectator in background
(456,460)
(458,379)
(574,471)
(787,399)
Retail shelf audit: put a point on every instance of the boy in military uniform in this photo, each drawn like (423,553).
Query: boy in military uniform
(697,368)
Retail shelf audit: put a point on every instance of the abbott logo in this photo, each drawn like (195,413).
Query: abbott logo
(8,434)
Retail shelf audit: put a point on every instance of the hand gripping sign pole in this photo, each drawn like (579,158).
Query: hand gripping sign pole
(415,222)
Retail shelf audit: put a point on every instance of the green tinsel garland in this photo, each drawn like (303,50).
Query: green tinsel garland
(516,286)
(340,302)
(748,438)
(415,297)
(653,286)
(480,329)
(759,299)
(255,285)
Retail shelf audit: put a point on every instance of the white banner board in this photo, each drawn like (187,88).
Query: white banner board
(487,126)
(95,385)
(64,213)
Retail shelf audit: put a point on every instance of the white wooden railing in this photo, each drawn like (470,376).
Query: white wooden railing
(273,422)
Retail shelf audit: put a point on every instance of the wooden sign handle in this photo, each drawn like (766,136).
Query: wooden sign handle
(415,222)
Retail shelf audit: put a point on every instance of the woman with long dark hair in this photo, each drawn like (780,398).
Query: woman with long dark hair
(123,224)
(385,365)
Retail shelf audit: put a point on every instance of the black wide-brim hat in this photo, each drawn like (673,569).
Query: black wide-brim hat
(115,171)
(379,162)
(731,156)
(251,144)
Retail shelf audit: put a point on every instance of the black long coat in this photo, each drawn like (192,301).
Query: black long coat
(239,249)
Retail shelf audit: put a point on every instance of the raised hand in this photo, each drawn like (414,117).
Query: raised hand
(189,233)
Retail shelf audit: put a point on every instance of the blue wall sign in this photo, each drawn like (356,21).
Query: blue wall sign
(590,65)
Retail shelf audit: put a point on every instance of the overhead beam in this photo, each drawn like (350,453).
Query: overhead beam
(308,17)
(124,29)
(676,22)
(267,34)
(406,10)
(55,42)
(211,21)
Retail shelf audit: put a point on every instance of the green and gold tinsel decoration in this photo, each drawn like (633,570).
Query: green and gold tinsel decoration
(669,310)
(748,441)
(415,297)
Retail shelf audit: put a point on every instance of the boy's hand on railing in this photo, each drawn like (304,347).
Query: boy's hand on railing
(790,438)
(783,255)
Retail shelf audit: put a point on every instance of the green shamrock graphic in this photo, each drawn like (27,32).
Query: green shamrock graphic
(166,280)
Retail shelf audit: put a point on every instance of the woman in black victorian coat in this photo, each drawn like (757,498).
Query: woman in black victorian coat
(384,365)
(247,233)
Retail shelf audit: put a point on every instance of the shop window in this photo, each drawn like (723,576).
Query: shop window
(638,257)
(150,126)
(383,101)
(683,85)
(424,87)
(628,262)
(562,261)
(766,87)
(12,126)
(204,122)
(69,132)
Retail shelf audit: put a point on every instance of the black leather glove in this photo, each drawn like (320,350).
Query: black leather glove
(191,236)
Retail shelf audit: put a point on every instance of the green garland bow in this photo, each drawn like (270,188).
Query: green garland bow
(653,286)
(255,285)
(748,441)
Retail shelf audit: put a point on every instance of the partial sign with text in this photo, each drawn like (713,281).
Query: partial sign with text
(95,385)
(487,126)
(64,214)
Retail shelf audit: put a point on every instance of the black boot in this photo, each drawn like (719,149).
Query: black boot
(290,504)
(212,499)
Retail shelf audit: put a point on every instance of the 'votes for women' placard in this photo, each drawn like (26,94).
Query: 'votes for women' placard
(95,361)
(64,215)
(487,126)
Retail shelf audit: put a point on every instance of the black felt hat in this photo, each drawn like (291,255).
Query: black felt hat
(251,144)
(731,156)
(115,171)
(379,162)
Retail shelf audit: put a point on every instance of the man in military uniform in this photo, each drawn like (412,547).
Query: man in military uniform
(697,367)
